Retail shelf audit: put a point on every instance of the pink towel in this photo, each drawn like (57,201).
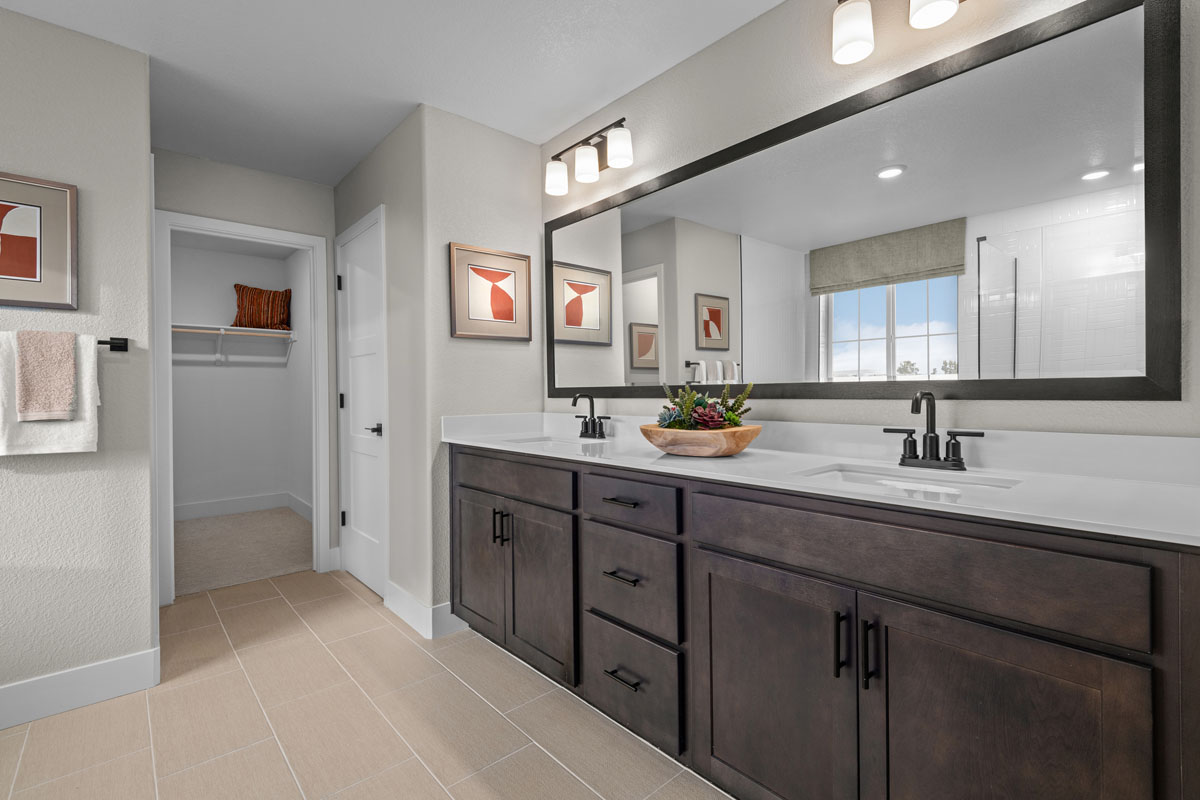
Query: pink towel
(45,375)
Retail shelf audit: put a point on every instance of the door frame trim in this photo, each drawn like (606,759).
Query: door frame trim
(375,216)
(162,472)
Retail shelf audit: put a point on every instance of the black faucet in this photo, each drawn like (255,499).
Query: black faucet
(592,426)
(930,457)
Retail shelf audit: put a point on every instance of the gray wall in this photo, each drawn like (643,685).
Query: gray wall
(777,68)
(75,530)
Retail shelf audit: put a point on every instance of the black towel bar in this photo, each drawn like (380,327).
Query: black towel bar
(117,344)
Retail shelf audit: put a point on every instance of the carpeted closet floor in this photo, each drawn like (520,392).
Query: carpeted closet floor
(238,548)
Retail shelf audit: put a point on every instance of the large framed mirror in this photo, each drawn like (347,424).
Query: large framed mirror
(1002,224)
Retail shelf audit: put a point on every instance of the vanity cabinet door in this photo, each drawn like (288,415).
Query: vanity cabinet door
(480,562)
(540,622)
(957,709)
(774,684)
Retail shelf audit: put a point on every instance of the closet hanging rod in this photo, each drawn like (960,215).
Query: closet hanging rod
(117,344)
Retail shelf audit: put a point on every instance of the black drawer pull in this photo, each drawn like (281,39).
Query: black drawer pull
(497,534)
(630,685)
(616,501)
(864,647)
(621,578)
(838,660)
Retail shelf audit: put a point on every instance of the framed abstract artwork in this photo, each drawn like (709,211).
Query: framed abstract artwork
(39,261)
(582,305)
(712,322)
(489,294)
(643,346)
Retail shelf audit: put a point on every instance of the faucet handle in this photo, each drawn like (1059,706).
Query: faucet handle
(910,442)
(954,446)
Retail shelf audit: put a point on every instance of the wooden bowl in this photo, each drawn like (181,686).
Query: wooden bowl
(704,444)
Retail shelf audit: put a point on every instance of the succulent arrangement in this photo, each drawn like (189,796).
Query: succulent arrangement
(688,410)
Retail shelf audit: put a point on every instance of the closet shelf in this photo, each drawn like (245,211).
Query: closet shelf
(219,333)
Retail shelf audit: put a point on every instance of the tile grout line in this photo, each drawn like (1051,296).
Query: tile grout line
(81,769)
(12,785)
(524,732)
(257,699)
(150,735)
(660,788)
(222,755)
(520,749)
(527,702)
(370,700)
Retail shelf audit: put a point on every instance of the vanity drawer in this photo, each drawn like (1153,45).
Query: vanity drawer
(631,577)
(633,680)
(1093,598)
(649,505)
(542,485)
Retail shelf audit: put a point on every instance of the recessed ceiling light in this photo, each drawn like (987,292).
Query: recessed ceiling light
(1095,176)
(894,171)
(1139,166)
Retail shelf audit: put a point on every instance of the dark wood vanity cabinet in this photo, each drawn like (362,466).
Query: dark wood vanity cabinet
(791,647)
(514,567)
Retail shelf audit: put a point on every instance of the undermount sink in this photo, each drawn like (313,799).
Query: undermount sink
(563,446)
(907,481)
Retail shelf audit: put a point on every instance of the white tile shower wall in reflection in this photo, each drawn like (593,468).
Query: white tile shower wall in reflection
(1079,305)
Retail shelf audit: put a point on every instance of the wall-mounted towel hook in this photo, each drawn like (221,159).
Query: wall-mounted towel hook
(117,344)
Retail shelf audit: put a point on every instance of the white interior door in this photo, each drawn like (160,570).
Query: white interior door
(362,389)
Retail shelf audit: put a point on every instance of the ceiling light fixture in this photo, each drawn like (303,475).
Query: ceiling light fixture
(854,29)
(1095,175)
(611,146)
(556,177)
(925,14)
(893,171)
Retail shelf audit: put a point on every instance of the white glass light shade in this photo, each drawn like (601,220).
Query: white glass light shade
(556,178)
(1095,175)
(924,14)
(587,164)
(853,32)
(620,148)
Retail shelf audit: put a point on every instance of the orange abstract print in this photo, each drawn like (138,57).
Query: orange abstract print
(19,242)
(490,294)
(582,307)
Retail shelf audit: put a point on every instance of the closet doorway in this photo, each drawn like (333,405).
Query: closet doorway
(241,379)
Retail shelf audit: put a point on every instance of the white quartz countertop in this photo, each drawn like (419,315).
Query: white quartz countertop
(852,461)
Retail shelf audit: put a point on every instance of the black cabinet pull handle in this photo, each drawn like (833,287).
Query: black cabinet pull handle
(504,515)
(621,578)
(630,685)
(615,501)
(864,648)
(497,534)
(838,660)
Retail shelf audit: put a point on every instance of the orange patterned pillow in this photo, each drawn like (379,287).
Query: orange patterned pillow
(262,308)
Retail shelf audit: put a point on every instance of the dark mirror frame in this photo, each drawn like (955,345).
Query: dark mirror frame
(1163,217)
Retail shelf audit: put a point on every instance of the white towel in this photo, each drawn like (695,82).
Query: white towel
(729,371)
(716,373)
(79,435)
(701,374)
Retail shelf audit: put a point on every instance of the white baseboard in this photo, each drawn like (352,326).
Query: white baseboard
(241,505)
(44,695)
(429,622)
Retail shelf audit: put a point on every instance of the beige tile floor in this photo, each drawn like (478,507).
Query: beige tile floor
(305,686)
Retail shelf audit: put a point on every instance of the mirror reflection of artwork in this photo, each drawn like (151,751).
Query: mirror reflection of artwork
(489,294)
(643,346)
(582,305)
(712,322)
(38,251)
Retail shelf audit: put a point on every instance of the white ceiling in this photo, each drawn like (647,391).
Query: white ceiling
(308,87)
(1020,131)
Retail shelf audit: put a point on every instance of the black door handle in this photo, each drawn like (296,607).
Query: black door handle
(614,501)
(632,686)
(497,535)
(377,429)
(864,648)
(621,578)
(504,539)
(838,660)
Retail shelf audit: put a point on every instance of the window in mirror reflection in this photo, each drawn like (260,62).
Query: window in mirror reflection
(905,331)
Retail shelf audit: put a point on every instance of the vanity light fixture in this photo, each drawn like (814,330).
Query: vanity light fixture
(556,177)
(925,14)
(854,30)
(611,146)
(893,171)
(1095,175)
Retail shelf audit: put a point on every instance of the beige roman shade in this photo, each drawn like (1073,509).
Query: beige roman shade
(930,251)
